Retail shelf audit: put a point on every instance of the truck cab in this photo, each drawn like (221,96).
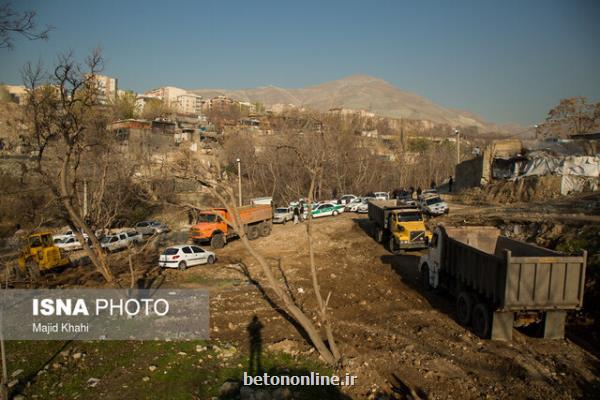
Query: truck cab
(210,223)
(408,230)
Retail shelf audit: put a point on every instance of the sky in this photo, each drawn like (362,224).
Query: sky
(506,61)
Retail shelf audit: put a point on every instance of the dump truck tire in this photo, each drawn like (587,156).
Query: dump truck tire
(464,308)
(394,248)
(378,235)
(253,232)
(265,229)
(481,320)
(217,241)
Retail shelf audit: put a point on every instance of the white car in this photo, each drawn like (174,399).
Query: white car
(382,195)
(432,204)
(353,205)
(185,255)
(363,207)
(68,244)
(115,242)
(66,235)
(347,199)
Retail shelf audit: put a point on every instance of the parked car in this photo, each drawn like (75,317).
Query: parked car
(352,206)
(115,242)
(432,204)
(363,207)
(66,235)
(151,227)
(282,215)
(381,195)
(183,256)
(347,198)
(326,209)
(135,237)
(68,244)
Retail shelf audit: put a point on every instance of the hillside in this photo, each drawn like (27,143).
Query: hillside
(357,92)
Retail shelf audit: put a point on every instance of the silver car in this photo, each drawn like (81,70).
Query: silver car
(151,227)
(283,215)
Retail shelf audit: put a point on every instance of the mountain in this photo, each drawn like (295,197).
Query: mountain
(356,92)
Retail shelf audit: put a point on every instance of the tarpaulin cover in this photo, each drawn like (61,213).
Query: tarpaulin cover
(576,184)
(545,164)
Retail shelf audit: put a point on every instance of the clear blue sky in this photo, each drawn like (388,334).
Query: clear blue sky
(508,61)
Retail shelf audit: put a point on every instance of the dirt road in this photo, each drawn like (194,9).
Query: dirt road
(394,337)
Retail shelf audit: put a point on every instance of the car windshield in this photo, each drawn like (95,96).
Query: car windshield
(170,251)
(207,218)
(410,217)
(433,200)
(281,210)
(106,239)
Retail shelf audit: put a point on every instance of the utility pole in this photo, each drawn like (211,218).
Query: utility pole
(85,202)
(239,180)
(457,132)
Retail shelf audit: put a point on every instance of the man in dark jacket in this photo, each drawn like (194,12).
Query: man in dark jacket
(450,182)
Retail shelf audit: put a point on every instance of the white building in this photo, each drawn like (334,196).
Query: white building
(108,88)
(190,103)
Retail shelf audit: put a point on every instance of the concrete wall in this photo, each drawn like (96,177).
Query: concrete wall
(469,173)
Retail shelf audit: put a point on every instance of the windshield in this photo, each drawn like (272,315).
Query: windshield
(433,200)
(105,239)
(207,218)
(281,210)
(410,217)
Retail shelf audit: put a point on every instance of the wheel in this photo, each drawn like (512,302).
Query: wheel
(211,260)
(379,235)
(394,248)
(335,212)
(464,308)
(284,221)
(217,241)
(481,320)
(182,266)
(253,232)
(425,277)
(265,229)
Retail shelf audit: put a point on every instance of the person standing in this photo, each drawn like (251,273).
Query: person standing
(301,216)
(296,214)
(432,184)
(450,182)
(419,191)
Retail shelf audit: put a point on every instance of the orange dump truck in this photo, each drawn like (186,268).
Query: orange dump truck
(212,226)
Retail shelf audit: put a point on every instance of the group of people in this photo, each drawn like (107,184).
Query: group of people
(298,213)
(400,193)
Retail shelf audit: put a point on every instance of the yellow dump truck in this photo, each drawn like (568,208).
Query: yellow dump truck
(41,254)
(398,224)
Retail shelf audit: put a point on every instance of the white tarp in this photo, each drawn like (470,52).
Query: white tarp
(576,184)
(546,164)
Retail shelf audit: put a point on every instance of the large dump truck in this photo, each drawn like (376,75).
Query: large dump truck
(399,224)
(500,283)
(213,225)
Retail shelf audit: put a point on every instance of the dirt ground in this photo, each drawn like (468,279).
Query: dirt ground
(396,338)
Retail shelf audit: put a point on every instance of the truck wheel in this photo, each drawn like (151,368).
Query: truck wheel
(182,266)
(265,229)
(217,241)
(379,235)
(394,248)
(482,320)
(425,278)
(253,232)
(464,308)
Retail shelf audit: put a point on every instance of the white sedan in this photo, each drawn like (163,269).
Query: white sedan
(185,255)
(68,244)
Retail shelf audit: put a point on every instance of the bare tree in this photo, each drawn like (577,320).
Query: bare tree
(13,22)
(63,113)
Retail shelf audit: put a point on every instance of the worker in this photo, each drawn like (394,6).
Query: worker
(432,184)
(296,215)
(301,213)
(419,191)
(450,182)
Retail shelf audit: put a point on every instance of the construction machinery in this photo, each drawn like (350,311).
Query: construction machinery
(500,282)
(40,254)
(398,223)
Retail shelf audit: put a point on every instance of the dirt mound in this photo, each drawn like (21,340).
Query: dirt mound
(531,188)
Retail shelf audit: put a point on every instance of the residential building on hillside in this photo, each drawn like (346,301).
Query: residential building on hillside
(18,93)
(190,103)
(108,88)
